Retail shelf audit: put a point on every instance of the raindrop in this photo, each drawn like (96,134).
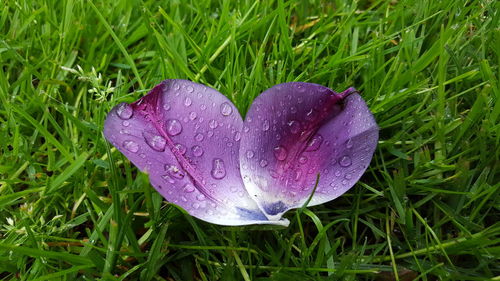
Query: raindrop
(294,126)
(199,137)
(181,148)
(226,109)
(131,146)
(156,142)
(263,163)
(280,153)
(192,115)
(197,150)
(314,143)
(189,188)
(124,111)
(302,159)
(174,171)
(213,123)
(348,143)
(311,115)
(265,125)
(174,127)
(188,101)
(250,154)
(345,161)
(237,136)
(218,170)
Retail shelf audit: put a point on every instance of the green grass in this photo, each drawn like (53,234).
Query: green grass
(72,208)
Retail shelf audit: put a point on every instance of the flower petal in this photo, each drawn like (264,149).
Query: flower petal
(295,131)
(186,136)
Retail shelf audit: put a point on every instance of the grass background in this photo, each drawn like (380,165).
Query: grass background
(72,208)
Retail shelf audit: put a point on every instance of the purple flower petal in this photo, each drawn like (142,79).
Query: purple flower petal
(295,131)
(186,136)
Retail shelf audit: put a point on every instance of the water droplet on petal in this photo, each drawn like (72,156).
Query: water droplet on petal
(200,197)
(199,137)
(294,126)
(192,115)
(237,136)
(213,123)
(166,107)
(154,141)
(246,129)
(293,109)
(280,153)
(188,101)
(131,146)
(174,127)
(263,163)
(190,89)
(189,188)
(348,176)
(250,154)
(218,169)
(174,171)
(338,173)
(197,150)
(348,143)
(124,111)
(314,143)
(302,159)
(311,115)
(226,109)
(195,205)
(345,161)
(265,125)
(125,123)
(181,148)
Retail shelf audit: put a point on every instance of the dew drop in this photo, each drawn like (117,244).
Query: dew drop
(250,154)
(226,109)
(280,153)
(154,141)
(199,137)
(237,136)
(265,125)
(124,111)
(174,127)
(314,143)
(311,115)
(302,159)
(181,148)
(131,146)
(174,171)
(188,188)
(188,101)
(192,115)
(213,123)
(345,161)
(294,126)
(197,150)
(218,170)
(348,143)
(263,163)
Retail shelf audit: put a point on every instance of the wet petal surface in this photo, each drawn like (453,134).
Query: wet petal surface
(186,137)
(295,131)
